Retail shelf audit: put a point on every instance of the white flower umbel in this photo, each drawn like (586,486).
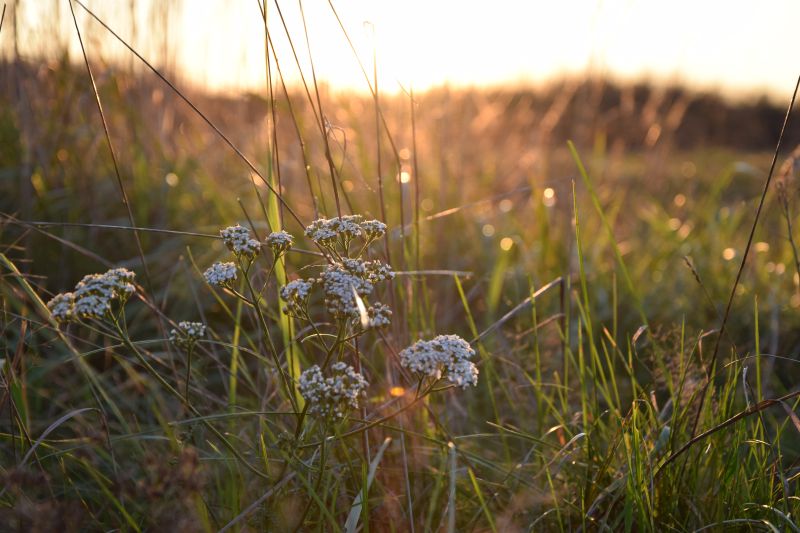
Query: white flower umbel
(333,395)
(61,306)
(339,285)
(295,294)
(122,281)
(373,229)
(372,271)
(279,242)
(92,306)
(328,231)
(379,316)
(187,334)
(238,241)
(93,296)
(220,274)
(341,280)
(444,356)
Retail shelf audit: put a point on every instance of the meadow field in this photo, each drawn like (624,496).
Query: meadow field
(574,307)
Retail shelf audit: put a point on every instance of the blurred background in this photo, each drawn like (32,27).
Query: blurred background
(449,120)
(741,50)
(674,108)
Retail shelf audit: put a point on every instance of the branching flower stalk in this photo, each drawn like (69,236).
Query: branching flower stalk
(332,389)
(121,328)
(185,336)
(256,303)
(101,298)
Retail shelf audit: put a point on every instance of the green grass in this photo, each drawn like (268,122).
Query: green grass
(593,337)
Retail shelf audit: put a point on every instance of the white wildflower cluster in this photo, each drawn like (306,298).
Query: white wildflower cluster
(238,241)
(378,316)
(373,229)
(443,356)
(220,274)
(187,333)
(295,294)
(342,281)
(333,395)
(327,232)
(62,307)
(372,271)
(279,242)
(93,295)
(340,288)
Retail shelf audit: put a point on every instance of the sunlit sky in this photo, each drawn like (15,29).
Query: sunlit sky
(735,46)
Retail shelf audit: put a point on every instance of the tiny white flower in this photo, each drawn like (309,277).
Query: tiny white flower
(443,356)
(343,281)
(238,240)
(379,316)
(333,395)
(326,231)
(295,294)
(61,306)
(279,242)
(187,333)
(373,228)
(220,274)
(341,286)
(92,306)
(94,294)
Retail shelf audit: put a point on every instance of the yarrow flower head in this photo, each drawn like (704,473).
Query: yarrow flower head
(279,242)
(238,241)
(444,356)
(378,316)
(341,286)
(343,281)
(328,231)
(373,229)
(93,295)
(61,307)
(187,334)
(333,395)
(220,274)
(295,294)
